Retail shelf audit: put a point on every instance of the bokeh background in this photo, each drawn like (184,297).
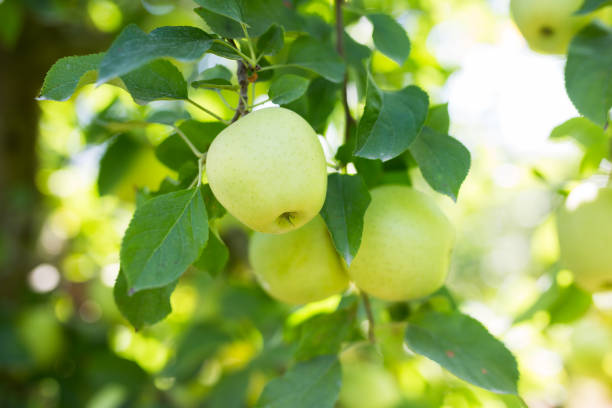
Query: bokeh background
(63,342)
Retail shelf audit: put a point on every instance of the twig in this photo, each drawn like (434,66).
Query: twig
(214,115)
(243,81)
(183,136)
(368,310)
(225,102)
(348,118)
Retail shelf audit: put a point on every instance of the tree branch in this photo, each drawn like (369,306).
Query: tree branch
(348,118)
(243,81)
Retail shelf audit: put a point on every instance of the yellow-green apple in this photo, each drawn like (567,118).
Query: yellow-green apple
(268,170)
(584,227)
(406,245)
(300,266)
(548,25)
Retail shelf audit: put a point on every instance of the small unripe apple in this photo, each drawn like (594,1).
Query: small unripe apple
(406,245)
(584,227)
(268,170)
(300,266)
(548,25)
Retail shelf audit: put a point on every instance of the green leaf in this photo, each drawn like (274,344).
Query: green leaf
(272,41)
(165,236)
(116,162)
(287,88)
(199,343)
(588,72)
(229,8)
(345,205)
(438,118)
(134,48)
(174,152)
(564,304)
(389,37)
(224,17)
(213,206)
(314,383)
(443,160)
(159,79)
(167,117)
(217,75)
(390,122)
(464,347)
(592,5)
(214,257)
(324,333)
(317,104)
(220,24)
(69,74)
(146,307)
(592,139)
(314,55)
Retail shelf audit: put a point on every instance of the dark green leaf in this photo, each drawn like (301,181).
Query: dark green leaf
(220,24)
(156,80)
(592,5)
(345,204)
(213,206)
(134,48)
(271,42)
(314,55)
(389,37)
(214,257)
(465,348)
(324,333)
(199,343)
(287,88)
(438,119)
(229,8)
(588,72)
(443,160)
(145,307)
(224,51)
(390,122)
(165,236)
(116,162)
(69,74)
(224,17)
(591,138)
(174,152)
(314,383)
(317,104)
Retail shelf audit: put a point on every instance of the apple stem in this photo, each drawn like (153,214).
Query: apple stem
(370,315)
(348,118)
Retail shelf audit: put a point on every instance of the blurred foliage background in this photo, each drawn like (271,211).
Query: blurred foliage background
(63,342)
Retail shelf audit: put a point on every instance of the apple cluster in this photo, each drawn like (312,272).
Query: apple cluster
(269,171)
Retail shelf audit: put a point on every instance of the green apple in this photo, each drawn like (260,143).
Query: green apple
(368,385)
(406,245)
(300,266)
(548,25)
(268,170)
(584,227)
